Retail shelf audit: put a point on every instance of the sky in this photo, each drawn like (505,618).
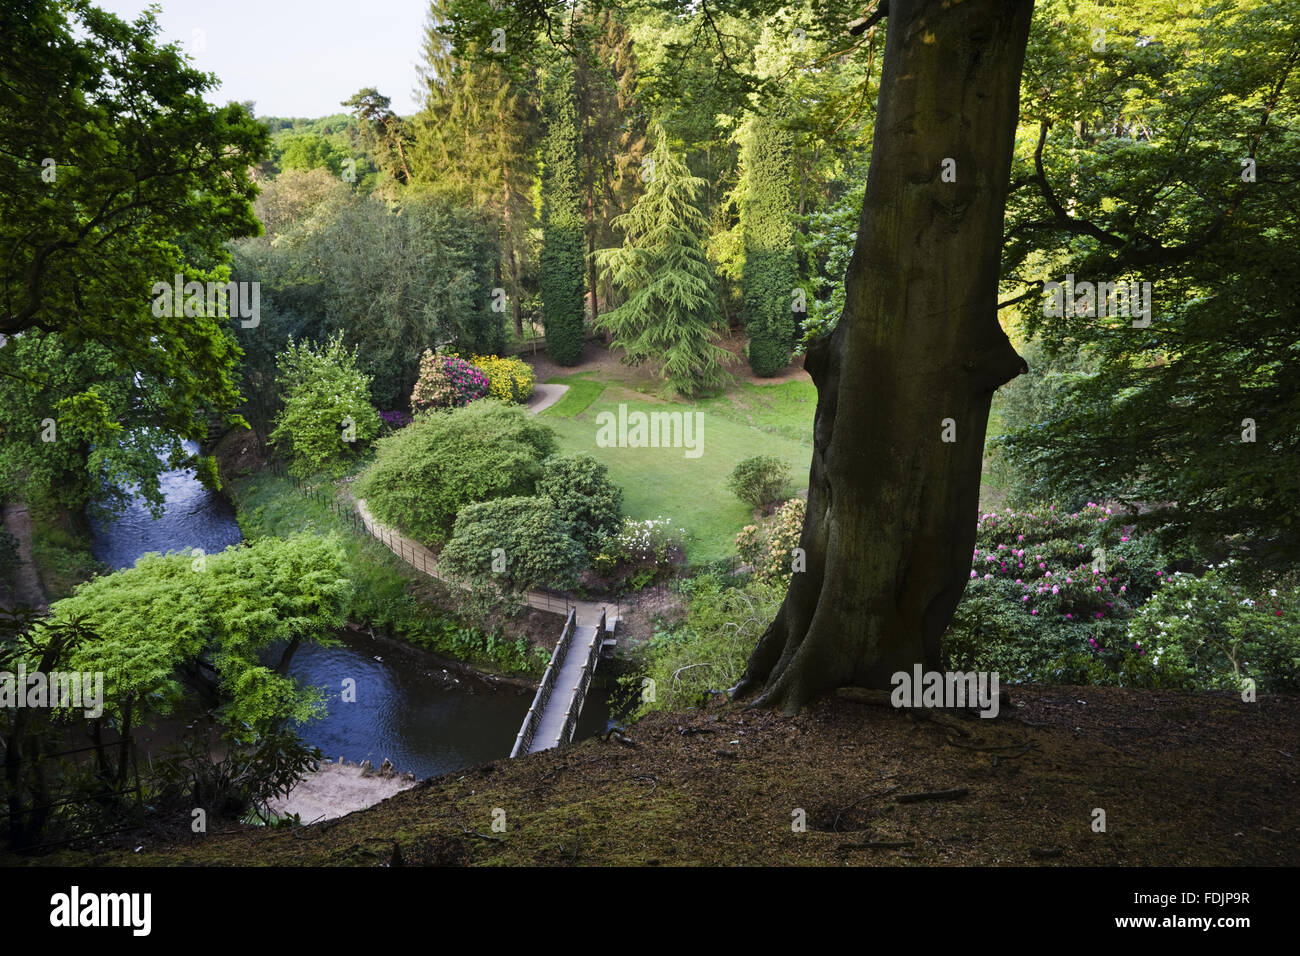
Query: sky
(296,57)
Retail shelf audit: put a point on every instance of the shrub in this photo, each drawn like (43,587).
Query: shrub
(1036,608)
(509,379)
(513,544)
(1210,632)
(395,419)
(710,649)
(767,547)
(425,473)
(584,496)
(446,382)
(154,619)
(759,480)
(640,553)
(327,416)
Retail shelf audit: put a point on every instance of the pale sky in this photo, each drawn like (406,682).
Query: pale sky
(296,57)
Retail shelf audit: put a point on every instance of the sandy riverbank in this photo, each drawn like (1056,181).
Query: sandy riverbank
(335,790)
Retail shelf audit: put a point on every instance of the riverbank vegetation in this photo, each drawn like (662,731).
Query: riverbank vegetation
(61,550)
(187,637)
(387,595)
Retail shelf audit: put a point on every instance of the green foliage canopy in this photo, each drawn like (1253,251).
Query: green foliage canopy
(153,623)
(116,174)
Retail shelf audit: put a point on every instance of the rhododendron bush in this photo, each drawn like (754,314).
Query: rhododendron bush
(447,382)
(1080,597)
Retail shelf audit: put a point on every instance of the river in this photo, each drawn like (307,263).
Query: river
(427,721)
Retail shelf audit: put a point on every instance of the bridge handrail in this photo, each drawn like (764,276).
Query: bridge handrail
(524,739)
(580,693)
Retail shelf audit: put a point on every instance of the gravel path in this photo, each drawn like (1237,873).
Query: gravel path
(335,790)
(544,396)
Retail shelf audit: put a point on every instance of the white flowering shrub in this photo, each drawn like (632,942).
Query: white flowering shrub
(639,553)
(1210,631)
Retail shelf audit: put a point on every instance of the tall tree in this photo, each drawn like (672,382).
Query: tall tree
(476,140)
(383,132)
(1171,161)
(771,273)
(670,316)
(613,132)
(562,256)
(116,175)
(917,353)
(394,282)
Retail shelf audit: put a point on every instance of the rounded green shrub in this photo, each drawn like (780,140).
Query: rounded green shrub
(583,494)
(425,473)
(327,416)
(514,544)
(759,480)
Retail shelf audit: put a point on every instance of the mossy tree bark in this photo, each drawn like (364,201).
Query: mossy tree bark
(891,506)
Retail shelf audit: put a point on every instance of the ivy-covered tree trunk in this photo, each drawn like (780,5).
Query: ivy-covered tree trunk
(562,258)
(891,505)
(767,231)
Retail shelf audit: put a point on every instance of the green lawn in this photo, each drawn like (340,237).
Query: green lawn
(582,392)
(748,420)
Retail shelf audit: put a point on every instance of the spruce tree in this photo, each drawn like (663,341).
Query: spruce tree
(767,233)
(671,315)
(562,259)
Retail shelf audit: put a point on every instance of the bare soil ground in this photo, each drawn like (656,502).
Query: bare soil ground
(1183,779)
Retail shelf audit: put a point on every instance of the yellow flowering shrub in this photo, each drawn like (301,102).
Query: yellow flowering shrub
(509,379)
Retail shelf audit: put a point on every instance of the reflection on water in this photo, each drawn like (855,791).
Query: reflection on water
(425,720)
(194,518)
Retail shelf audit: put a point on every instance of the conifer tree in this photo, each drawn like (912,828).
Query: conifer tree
(767,232)
(562,258)
(476,142)
(671,314)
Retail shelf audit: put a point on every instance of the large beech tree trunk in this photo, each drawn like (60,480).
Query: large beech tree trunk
(891,506)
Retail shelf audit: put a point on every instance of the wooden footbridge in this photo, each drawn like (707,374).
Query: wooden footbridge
(553,717)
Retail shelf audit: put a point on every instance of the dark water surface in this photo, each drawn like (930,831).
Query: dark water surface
(408,709)
(194,518)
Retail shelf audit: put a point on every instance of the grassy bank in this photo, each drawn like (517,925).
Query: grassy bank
(390,597)
(722,786)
